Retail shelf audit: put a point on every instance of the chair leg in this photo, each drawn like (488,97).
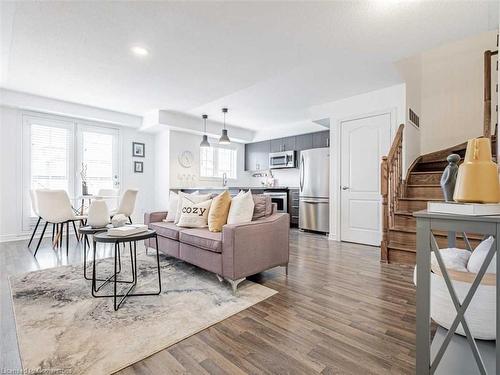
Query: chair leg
(53,231)
(67,237)
(34,231)
(41,237)
(76,232)
(130,220)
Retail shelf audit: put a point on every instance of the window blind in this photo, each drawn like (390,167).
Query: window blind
(50,148)
(98,157)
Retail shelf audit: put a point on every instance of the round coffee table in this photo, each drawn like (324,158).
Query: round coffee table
(103,237)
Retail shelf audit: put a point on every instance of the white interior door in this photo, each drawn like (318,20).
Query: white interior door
(364,142)
(98,149)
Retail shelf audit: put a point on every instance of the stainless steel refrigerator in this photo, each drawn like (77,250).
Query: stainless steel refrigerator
(314,191)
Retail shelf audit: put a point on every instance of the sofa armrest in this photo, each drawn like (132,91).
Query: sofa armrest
(154,217)
(256,246)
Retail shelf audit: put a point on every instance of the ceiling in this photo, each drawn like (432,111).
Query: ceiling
(267,61)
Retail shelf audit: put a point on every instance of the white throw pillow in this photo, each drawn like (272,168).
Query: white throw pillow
(241,210)
(453,259)
(194,215)
(478,256)
(194,197)
(173,202)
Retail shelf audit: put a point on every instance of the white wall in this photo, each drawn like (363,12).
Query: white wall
(388,100)
(445,87)
(162,169)
(11,184)
(190,177)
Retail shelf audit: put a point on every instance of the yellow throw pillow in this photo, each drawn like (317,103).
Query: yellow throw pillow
(219,210)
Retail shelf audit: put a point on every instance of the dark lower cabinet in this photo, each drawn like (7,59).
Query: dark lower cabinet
(293,207)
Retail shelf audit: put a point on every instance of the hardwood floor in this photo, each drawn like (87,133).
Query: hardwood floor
(339,311)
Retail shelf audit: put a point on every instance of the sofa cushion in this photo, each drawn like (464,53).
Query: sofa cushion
(219,210)
(202,238)
(169,230)
(263,206)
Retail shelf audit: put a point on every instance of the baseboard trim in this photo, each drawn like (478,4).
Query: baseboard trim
(20,237)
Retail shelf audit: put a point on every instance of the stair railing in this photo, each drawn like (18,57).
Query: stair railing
(487,93)
(391,180)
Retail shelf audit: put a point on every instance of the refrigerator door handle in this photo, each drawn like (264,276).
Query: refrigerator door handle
(301,172)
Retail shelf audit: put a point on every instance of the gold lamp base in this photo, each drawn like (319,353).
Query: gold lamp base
(477,180)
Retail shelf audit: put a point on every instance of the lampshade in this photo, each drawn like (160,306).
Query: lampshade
(204,140)
(224,139)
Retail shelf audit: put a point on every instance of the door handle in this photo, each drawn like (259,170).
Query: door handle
(345,187)
(301,172)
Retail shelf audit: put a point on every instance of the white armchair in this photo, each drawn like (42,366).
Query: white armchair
(55,208)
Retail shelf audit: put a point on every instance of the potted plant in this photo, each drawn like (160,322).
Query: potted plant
(83,176)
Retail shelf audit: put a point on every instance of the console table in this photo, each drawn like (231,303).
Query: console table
(428,222)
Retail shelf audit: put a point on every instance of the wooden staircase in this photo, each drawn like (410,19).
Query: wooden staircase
(420,186)
(402,197)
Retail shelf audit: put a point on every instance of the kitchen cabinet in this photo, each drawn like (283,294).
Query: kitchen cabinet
(257,156)
(304,142)
(321,139)
(283,144)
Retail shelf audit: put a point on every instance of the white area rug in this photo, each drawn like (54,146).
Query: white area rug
(61,326)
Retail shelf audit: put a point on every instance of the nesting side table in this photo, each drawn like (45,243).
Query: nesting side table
(428,222)
(132,242)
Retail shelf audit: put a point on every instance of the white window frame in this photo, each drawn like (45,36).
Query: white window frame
(216,167)
(81,127)
(29,120)
(74,159)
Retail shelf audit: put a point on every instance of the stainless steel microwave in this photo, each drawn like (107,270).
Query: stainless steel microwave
(284,159)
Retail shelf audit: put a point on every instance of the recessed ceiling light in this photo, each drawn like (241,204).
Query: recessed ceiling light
(139,51)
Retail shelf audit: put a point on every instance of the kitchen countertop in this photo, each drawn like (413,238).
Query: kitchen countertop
(236,188)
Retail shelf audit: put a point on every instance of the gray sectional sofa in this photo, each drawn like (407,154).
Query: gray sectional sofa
(240,250)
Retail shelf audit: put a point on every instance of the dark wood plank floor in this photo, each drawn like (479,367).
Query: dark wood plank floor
(339,311)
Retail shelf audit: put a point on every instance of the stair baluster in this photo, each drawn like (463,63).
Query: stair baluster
(391,181)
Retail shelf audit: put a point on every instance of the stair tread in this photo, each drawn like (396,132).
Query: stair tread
(399,228)
(402,247)
(425,172)
(402,212)
(422,199)
(424,185)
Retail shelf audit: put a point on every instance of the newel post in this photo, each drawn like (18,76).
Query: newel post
(384,189)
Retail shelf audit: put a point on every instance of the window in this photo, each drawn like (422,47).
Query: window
(53,152)
(98,152)
(215,161)
(50,157)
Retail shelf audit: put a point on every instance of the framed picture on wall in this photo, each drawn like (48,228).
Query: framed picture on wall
(138,149)
(138,167)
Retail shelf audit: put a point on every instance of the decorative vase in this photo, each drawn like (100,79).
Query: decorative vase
(449,177)
(98,215)
(119,220)
(477,180)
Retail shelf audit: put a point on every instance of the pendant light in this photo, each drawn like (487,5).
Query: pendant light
(204,141)
(224,139)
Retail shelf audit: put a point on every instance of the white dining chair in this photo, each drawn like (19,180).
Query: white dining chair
(34,208)
(55,208)
(110,196)
(127,204)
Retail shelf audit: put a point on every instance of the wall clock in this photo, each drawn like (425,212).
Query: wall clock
(186,159)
